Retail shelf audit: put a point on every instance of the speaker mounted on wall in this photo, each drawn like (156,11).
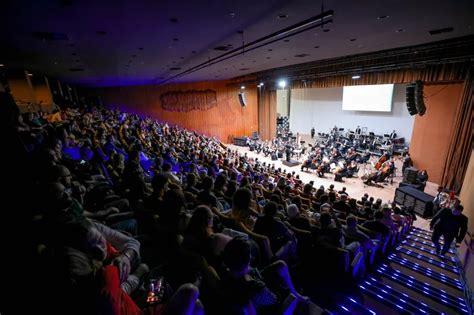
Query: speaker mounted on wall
(419,98)
(242,100)
(410,99)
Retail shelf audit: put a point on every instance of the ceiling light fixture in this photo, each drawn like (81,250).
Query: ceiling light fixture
(2,65)
(355,77)
(316,21)
(242,87)
(282,84)
(382,17)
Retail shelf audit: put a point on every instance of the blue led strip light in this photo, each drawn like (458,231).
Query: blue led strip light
(400,296)
(428,250)
(400,300)
(421,236)
(415,229)
(427,259)
(427,271)
(385,298)
(424,288)
(430,244)
(345,309)
(362,308)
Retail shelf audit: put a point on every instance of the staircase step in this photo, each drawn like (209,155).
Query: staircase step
(425,242)
(440,264)
(428,250)
(423,288)
(455,283)
(402,300)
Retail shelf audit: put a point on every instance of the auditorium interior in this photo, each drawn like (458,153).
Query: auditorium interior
(250,157)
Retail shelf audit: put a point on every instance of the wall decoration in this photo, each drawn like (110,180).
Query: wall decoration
(188,100)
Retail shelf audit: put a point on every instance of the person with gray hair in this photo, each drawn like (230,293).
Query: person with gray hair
(296,219)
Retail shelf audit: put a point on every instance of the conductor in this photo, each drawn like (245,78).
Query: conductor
(450,223)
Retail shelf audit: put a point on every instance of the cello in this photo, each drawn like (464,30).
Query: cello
(381,160)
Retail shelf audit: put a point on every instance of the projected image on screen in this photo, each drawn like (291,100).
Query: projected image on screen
(373,98)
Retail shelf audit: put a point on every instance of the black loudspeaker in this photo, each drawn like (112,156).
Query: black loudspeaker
(410,175)
(419,101)
(242,100)
(410,99)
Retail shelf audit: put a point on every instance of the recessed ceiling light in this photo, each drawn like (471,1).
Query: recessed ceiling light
(268,58)
(30,74)
(73,54)
(181,57)
(2,65)
(134,56)
(282,84)
(175,39)
(326,30)
(174,20)
(286,40)
(316,46)
(232,14)
(282,16)
(254,60)
(244,69)
(284,58)
(270,50)
(140,48)
(101,32)
(353,39)
(242,87)
(383,17)
(54,63)
(301,55)
(355,77)
(193,51)
(240,32)
(400,30)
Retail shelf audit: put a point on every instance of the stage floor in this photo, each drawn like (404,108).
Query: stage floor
(355,186)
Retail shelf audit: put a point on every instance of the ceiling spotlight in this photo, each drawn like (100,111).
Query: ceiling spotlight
(282,84)
(2,65)
(355,77)
(261,83)
(242,87)
(30,74)
(382,17)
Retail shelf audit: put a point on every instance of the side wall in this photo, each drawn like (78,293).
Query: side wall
(432,132)
(224,121)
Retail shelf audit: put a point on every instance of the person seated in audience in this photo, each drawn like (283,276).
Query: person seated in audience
(205,196)
(352,232)
(331,233)
(254,291)
(166,171)
(377,225)
(296,219)
(242,219)
(200,237)
(387,217)
(91,286)
(342,206)
(282,240)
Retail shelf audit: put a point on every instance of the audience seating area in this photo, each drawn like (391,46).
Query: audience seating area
(138,216)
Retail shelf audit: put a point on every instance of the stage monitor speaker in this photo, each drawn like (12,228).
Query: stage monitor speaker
(410,99)
(242,100)
(410,175)
(419,101)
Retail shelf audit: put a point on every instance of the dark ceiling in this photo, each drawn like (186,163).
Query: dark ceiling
(108,43)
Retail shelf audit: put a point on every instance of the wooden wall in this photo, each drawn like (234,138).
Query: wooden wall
(31,93)
(432,132)
(224,121)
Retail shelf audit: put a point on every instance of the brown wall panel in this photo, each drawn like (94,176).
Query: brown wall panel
(432,132)
(227,119)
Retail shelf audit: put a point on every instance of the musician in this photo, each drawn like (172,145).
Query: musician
(407,162)
(288,153)
(393,135)
(422,178)
(312,132)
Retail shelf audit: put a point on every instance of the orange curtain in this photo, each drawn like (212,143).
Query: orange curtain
(461,143)
(267,114)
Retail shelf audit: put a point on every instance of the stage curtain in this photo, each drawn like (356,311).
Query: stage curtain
(461,143)
(267,114)
(440,73)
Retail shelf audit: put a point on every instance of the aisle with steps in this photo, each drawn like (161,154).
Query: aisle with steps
(411,279)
